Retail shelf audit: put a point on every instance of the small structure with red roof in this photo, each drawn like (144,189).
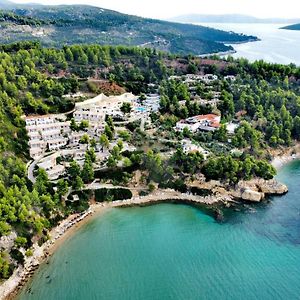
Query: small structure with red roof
(209,122)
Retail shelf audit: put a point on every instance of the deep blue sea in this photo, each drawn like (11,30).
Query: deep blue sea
(178,252)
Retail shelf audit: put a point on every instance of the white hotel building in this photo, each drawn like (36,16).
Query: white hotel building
(94,110)
(46,132)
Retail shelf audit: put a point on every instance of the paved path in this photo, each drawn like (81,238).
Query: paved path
(97,185)
(169,194)
(30,170)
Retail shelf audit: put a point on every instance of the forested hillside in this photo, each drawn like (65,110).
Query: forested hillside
(265,99)
(58,25)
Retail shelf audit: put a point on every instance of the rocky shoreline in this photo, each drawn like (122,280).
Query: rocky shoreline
(223,53)
(254,191)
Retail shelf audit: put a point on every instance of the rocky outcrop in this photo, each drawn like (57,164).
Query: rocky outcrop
(247,195)
(7,241)
(272,187)
(253,190)
(257,189)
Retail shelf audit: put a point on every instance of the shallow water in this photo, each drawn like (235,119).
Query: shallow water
(170,251)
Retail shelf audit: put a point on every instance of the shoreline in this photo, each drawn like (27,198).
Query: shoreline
(10,288)
(280,162)
(286,156)
(228,52)
(222,53)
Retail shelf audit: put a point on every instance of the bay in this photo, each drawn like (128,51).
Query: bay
(170,251)
(276,45)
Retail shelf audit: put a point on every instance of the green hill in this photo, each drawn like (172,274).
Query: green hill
(76,24)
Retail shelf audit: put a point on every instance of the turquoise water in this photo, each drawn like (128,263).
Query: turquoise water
(178,252)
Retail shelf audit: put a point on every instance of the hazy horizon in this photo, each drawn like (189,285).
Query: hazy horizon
(164,10)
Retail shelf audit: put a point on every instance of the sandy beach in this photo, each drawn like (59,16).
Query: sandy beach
(280,159)
(279,162)
(10,288)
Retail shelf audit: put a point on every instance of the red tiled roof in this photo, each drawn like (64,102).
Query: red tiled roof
(212,119)
(209,117)
(215,124)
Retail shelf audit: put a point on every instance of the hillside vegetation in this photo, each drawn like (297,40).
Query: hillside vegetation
(33,80)
(58,25)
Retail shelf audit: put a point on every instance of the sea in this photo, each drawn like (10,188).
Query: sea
(276,45)
(180,252)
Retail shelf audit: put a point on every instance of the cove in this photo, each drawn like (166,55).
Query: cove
(170,251)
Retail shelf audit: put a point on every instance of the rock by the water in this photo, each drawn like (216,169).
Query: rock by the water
(252,190)
(218,215)
(250,195)
(272,187)
(247,194)
(255,190)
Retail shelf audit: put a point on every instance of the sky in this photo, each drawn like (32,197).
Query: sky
(164,9)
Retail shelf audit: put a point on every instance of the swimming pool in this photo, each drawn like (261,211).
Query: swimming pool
(141,109)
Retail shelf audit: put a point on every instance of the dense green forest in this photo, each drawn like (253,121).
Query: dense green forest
(265,99)
(9,17)
(58,25)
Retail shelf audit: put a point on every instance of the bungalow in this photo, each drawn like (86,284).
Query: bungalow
(191,126)
(208,122)
(194,78)
(207,78)
(189,147)
(231,127)
(74,96)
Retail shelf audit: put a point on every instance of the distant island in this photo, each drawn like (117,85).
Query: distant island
(230,18)
(54,26)
(292,27)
